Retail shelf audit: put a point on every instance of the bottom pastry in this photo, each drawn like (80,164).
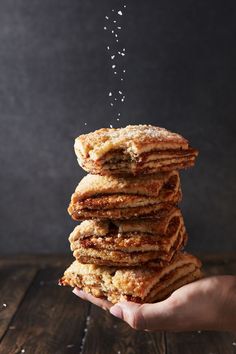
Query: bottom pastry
(139,284)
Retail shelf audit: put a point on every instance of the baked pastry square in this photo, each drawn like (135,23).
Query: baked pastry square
(133,150)
(111,197)
(148,242)
(140,284)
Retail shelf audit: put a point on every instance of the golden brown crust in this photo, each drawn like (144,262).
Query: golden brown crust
(156,226)
(138,169)
(134,150)
(112,197)
(160,255)
(137,284)
(129,242)
(150,186)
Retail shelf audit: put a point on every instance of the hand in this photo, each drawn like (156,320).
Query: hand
(207,304)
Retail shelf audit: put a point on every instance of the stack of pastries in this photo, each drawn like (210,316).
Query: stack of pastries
(129,245)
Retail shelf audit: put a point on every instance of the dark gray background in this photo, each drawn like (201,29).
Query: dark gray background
(55,76)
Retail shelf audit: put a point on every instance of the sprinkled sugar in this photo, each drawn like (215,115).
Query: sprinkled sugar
(70,346)
(113,22)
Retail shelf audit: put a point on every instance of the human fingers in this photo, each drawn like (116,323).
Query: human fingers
(104,304)
(191,307)
(143,316)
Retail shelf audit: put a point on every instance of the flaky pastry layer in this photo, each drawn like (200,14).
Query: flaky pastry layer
(110,197)
(134,150)
(138,284)
(129,242)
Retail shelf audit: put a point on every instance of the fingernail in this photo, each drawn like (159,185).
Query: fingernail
(77,292)
(116,311)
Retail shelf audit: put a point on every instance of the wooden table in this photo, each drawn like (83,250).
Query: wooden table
(38,317)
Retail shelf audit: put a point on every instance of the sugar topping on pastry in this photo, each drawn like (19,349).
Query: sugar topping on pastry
(97,143)
(133,150)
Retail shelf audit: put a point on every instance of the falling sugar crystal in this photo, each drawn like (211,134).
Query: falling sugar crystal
(70,345)
(111,126)
(22,351)
(118,119)
(85,123)
(113,48)
(4,305)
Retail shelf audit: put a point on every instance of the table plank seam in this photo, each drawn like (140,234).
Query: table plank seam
(165,341)
(19,305)
(86,324)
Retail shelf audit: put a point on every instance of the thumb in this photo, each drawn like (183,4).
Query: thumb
(146,316)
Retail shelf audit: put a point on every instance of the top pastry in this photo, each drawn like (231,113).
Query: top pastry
(133,150)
